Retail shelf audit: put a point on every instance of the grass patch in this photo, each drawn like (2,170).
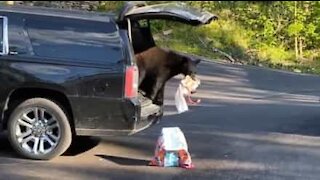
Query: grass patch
(232,38)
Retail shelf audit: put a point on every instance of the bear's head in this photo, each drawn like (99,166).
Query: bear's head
(189,66)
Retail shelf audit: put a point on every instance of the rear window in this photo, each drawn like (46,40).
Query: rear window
(73,39)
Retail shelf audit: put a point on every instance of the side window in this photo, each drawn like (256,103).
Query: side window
(18,39)
(1,32)
(4,44)
(74,39)
(128,47)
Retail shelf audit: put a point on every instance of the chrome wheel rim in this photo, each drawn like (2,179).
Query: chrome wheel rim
(37,131)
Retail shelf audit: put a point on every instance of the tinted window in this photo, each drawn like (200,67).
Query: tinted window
(80,40)
(17,37)
(1,35)
(127,46)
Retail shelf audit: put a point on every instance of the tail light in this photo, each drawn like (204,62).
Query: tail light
(131,82)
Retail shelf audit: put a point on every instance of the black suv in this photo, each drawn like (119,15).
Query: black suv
(67,73)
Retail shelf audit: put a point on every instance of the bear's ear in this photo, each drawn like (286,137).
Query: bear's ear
(197,61)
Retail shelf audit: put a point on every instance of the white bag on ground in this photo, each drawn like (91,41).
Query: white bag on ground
(172,149)
(174,139)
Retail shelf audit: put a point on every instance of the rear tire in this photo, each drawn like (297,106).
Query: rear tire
(39,129)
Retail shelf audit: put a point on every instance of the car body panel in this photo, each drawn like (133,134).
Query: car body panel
(95,89)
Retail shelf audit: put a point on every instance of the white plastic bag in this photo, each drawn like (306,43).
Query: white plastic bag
(172,149)
(173,139)
(186,87)
(180,101)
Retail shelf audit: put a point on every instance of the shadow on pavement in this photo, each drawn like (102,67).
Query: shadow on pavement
(124,160)
(6,149)
(81,145)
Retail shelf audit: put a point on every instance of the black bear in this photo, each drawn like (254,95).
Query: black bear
(157,66)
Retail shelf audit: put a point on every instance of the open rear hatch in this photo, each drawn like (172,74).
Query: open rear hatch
(138,10)
(168,11)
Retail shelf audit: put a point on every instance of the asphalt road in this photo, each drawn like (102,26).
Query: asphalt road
(252,123)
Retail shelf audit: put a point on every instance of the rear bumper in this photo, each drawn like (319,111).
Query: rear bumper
(146,114)
(137,115)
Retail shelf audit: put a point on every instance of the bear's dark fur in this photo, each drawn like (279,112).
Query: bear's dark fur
(157,66)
